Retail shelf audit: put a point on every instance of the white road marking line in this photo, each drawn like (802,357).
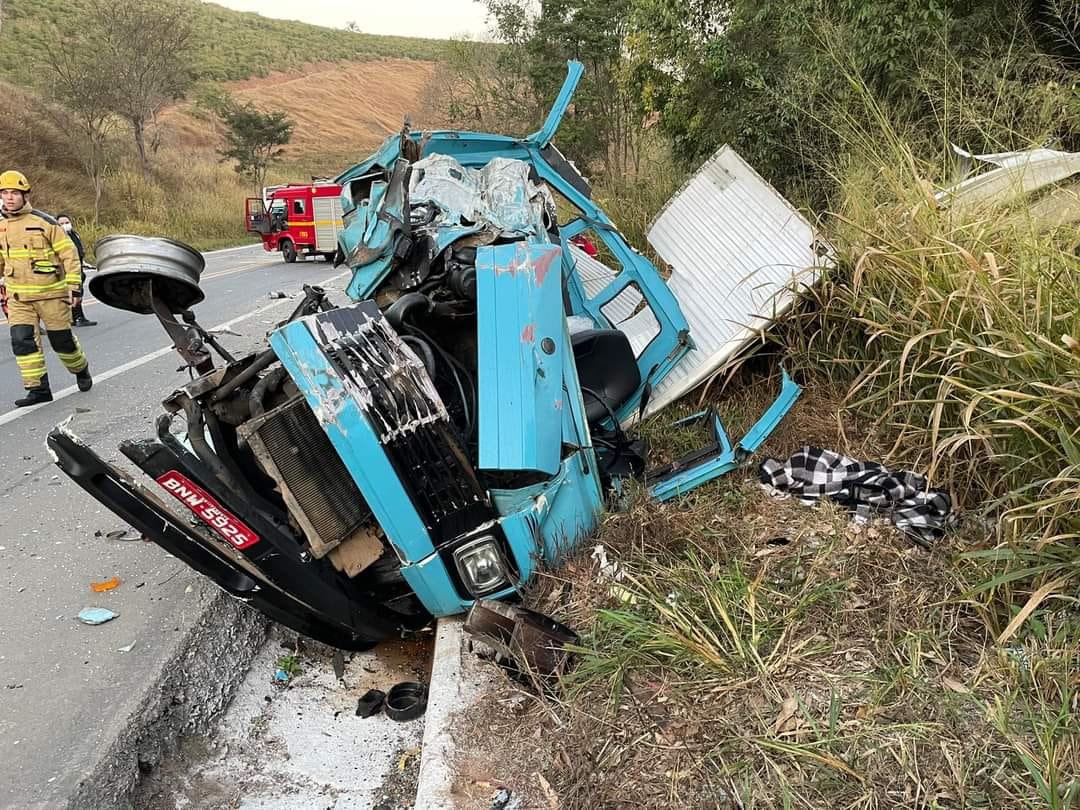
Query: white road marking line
(255,264)
(12,415)
(234,249)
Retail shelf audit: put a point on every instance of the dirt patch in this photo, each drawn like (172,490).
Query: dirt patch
(342,108)
(398,790)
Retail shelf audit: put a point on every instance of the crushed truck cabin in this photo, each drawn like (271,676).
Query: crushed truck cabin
(457,424)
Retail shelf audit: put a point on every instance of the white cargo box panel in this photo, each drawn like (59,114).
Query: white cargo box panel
(327,215)
(740,254)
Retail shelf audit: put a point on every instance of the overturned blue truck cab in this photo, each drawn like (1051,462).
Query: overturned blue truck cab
(457,424)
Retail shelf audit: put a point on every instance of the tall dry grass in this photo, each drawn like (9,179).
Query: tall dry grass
(958,331)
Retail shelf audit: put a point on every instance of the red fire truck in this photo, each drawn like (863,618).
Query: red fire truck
(299,219)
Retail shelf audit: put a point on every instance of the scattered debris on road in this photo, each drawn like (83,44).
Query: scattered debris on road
(96,615)
(122,535)
(370,703)
(105,585)
(300,746)
(405,701)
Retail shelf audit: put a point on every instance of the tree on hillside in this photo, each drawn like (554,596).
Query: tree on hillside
(606,121)
(82,86)
(254,139)
(145,47)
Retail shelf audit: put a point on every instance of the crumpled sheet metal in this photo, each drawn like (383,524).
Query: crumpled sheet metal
(740,256)
(499,196)
(1014,175)
(722,457)
(530,646)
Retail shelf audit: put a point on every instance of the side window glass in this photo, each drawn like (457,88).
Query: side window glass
(298,206)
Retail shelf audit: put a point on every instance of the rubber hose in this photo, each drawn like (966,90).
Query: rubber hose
(270,381)
(260,363)
(196,434)
(426,354)
(397,311)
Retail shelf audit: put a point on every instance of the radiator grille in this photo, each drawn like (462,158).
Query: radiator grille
(402,405)
(314,481)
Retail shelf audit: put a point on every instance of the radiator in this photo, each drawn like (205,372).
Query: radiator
(293,449)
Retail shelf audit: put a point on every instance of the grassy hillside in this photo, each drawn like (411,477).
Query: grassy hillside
(345,92)
(231,44)
(342,112)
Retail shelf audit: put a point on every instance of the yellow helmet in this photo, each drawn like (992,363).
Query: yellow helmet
(15,180)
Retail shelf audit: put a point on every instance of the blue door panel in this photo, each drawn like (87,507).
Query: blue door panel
(521,332)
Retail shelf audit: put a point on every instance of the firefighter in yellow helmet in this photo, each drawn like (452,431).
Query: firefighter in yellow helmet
(41,273)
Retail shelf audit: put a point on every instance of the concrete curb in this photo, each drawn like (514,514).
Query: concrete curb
(446,696)
(196,683)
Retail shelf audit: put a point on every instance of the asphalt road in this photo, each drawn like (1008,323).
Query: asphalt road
(67,689)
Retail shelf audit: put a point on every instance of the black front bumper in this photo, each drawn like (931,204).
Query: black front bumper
(274,576)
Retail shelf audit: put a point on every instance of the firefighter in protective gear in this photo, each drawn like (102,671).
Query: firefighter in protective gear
(41,273)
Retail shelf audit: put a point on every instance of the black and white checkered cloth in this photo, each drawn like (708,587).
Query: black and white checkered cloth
(866,488)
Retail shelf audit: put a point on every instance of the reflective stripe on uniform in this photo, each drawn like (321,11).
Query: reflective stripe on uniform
(31,368)
(73,361)
(20,290)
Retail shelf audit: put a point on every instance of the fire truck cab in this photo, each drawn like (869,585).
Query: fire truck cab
(298,219)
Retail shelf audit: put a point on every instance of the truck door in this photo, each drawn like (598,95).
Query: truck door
(256,220)
(300,223)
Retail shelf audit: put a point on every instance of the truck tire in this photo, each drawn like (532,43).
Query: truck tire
(288,250)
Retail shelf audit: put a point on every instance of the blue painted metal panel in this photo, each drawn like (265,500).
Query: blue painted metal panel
(354,439)
(728,458)
(570,511)
(672,342)
(476,148)
(521,335)
(557,516)
(542,137)
(388,152)
(431,582)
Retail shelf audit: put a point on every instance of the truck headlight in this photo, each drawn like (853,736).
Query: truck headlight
(482,566)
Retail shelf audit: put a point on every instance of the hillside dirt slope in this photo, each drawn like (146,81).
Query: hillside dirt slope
(344,108)
(342,111)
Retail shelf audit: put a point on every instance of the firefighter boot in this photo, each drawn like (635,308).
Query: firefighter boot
(84,380)
(37,395)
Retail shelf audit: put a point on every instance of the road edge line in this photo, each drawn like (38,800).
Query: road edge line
(436,778)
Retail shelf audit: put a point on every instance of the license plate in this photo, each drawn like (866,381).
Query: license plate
(208,510)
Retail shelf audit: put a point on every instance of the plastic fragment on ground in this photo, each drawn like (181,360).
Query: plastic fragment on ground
(105,585)
(95,615)
(371,703)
